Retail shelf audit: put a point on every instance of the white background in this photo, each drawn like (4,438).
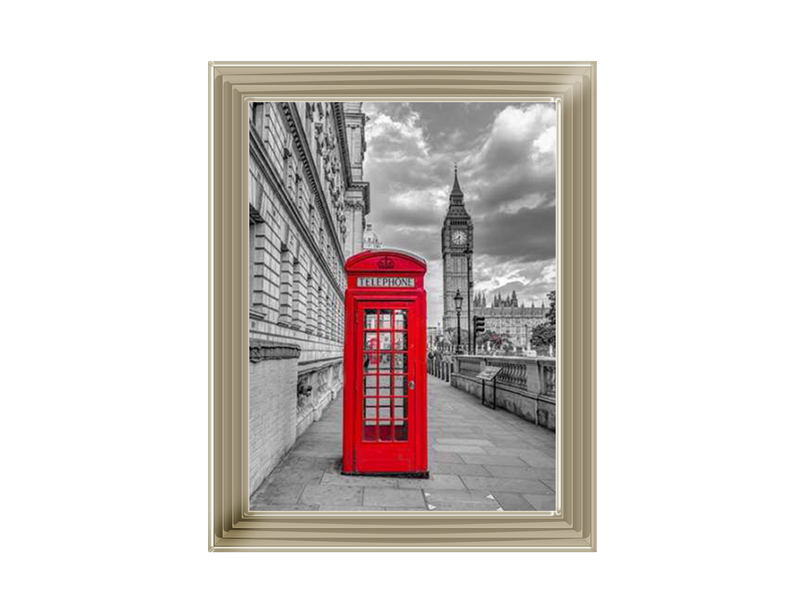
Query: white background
(103,234)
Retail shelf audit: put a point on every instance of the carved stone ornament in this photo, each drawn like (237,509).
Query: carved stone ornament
(260,350)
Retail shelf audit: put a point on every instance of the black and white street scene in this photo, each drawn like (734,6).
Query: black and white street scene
(471,189)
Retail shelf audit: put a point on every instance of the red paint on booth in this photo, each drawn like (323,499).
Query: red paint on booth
(385,364)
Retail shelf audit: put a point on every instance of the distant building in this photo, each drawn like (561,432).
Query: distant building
(516,323)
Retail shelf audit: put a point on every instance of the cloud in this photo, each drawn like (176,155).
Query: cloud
(527,234)
(506,159)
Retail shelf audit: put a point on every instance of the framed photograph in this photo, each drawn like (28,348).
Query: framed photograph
(402,306)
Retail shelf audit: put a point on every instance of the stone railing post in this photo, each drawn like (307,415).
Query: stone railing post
(547,377)
(534,377)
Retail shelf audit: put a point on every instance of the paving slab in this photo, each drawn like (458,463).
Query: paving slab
(462,441)
(493,459)
(458,469)
(458,496)
(465,506)
(461,501)
(541,502)
(512,501)
(504,484)
(282,507)
(539,460)
(436,482)
(309,462)
(530,473)
(273,494)
(367,481)
(332,495)
(393,497)
(296,476)
(444,457)
(348,508)
(457,448)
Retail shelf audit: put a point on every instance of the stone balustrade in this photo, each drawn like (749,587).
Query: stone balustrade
(440,366)
(525,386)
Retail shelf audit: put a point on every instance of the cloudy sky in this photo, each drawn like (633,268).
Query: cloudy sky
(506,167)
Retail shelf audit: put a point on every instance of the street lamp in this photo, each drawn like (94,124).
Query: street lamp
(469,290)
(458,302)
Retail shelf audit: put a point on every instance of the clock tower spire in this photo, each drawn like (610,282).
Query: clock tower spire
(456,196)
(457,247)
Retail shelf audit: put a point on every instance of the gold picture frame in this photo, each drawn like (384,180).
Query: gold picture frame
(232,527)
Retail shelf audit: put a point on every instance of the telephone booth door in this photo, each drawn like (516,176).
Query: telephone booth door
(385,395)
(387,387)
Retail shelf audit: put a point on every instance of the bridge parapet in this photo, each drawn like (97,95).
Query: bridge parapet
(525,386)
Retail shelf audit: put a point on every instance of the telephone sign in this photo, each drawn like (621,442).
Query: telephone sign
(385,386)
(385,281)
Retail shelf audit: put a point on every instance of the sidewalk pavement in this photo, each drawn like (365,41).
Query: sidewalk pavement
(480,460)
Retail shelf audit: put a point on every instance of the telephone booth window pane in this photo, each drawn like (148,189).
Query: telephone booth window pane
(401,432)
(371,341)
(385,362)
(371,413)
(385,319)
(400,363)
(385,341)
(400,319)
(400,341)
(371,319)
(370,362)
(400,408)
(385,413)
(370,385)
(370,431)
(385,431)
(400,385)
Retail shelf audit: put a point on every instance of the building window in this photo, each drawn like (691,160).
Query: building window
(312,300)
(299,299)
(285,288)
(252,247)
(320,314)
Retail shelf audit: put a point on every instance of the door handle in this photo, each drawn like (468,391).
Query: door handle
(412,385)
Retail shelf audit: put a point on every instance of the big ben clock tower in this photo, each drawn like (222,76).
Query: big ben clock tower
(456,249)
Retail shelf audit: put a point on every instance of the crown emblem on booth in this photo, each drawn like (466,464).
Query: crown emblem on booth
(385,263)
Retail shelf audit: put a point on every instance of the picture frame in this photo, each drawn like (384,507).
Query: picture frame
(231,526)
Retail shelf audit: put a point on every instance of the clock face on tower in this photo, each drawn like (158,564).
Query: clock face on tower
(459,237)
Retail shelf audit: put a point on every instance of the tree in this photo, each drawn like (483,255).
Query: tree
(496,341)
(543,335)
(551,313)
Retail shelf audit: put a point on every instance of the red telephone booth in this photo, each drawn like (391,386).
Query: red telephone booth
(385,365)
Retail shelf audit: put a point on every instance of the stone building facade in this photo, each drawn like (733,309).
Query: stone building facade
(307,208)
